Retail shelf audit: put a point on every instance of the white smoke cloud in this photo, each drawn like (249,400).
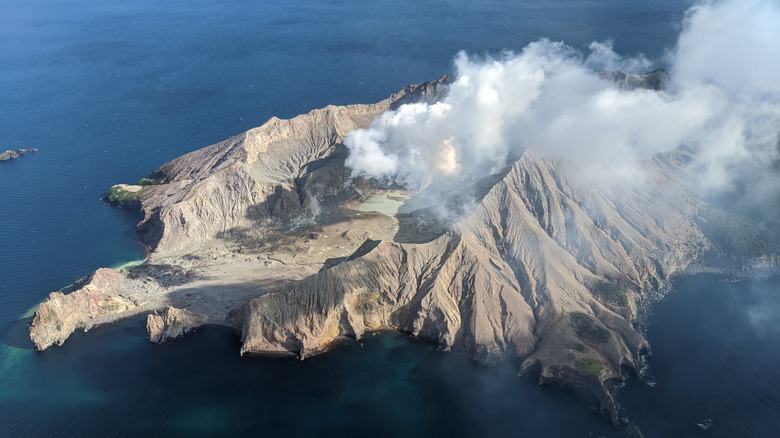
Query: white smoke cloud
(723,104)
(603,58)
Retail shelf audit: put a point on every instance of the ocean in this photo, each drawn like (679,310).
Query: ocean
(109,91)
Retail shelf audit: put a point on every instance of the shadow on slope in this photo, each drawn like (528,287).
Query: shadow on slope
(165,275)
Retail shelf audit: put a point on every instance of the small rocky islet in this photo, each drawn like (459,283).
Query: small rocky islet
(14,154)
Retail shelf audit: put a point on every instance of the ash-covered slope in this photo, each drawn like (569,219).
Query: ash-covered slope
(544,269)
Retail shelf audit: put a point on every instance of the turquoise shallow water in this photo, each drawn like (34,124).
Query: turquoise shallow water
(108,92)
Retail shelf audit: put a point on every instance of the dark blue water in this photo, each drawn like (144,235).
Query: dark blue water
(716,355)
(108,92)
(197,386)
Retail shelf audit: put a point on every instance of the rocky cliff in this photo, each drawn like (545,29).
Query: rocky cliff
(172,323)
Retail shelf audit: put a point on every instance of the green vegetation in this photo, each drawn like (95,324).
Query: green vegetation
(587,330)
(148,181)
(589,366)
(117,194)
(610,293)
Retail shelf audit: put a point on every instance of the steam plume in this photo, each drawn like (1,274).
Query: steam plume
(722,104)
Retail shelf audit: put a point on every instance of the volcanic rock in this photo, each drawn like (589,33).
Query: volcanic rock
(172,323)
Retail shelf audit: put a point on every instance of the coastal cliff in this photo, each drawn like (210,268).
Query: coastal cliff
(172,323)
(262,233)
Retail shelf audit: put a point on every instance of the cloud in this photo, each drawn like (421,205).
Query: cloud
(733,45)
(603,58)
(722,104)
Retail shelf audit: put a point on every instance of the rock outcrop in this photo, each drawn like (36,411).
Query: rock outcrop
(172,323)
(12,155)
